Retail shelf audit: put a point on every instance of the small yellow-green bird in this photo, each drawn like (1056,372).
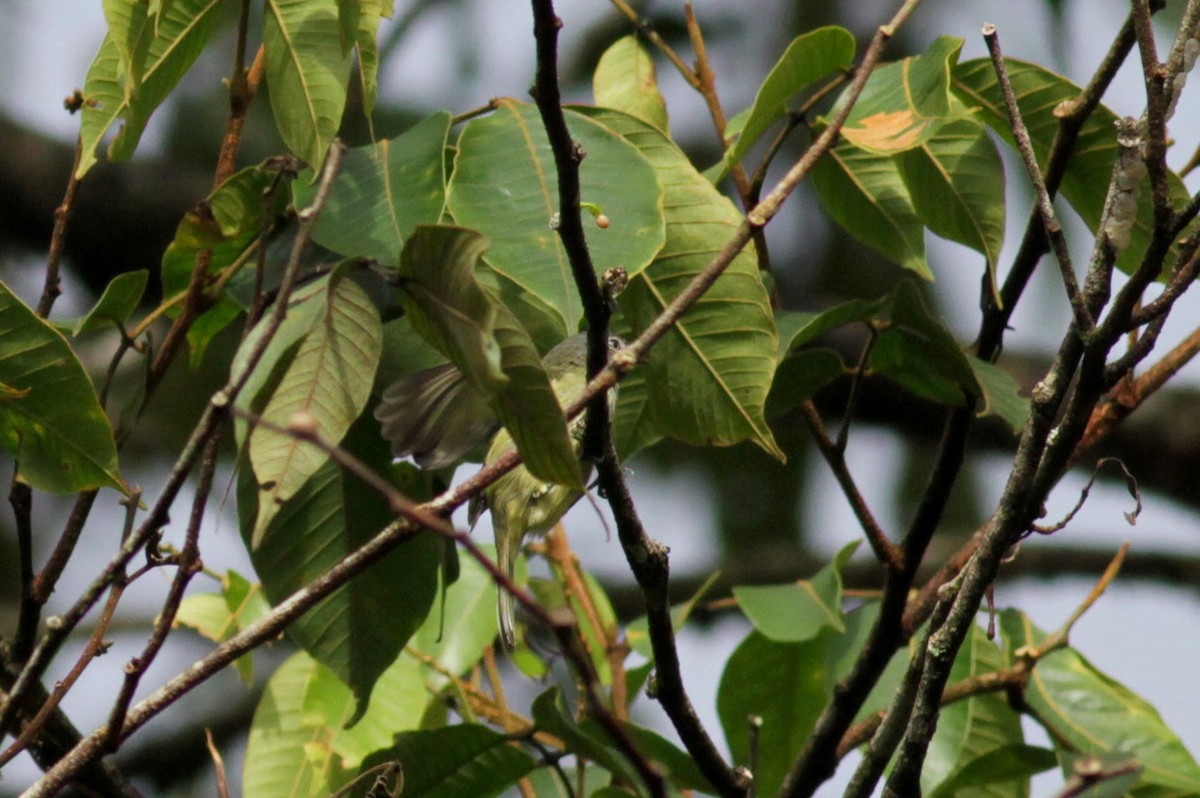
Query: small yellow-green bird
(437,418)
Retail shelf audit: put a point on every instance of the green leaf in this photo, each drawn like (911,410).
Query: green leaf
(371,12)
(956,183)
(446,305)
(905,103)
(465,761)
(992,773)
(349,18)
(329,379)
(360,629)
(974,727)
(119,300)
(458,630)
(799,376)
(219,616)
(1096,714)
(307,71)
(1040,93)
(679,766)
(383,192)
(505,186)
(865,194)
(238,210)
(1001,394)
(799,329)
(916,350)
(298,745)
(784,684)
(50,419)
(159,54)
(587,741)
(799,611)
(487,343)
(624,80)
(809,58)
(706,381)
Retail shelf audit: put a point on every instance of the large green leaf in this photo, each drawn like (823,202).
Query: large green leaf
(50,418)
(157,52)
(1098,715)
(505,186)
(465,761)
(461,626)
(329,379)
(383,191)
(1039,95)
(809,58)
(484,339)
(706,381)
(358,631)
(307,72)
(625,80)
(865,194)
(974,727)
(796,612)
(784,684)
(956,183)
(905,103)
(298,746)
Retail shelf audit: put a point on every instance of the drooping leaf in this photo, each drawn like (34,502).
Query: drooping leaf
(906,103)
(865,194)
(307,71)
(119,300)
(360,629)
(458,631)
(809,58)
(158,53)
(1040,94)
(383,192)
(372,11)
(505,186)
(298,745)
(50,419)
(329,379)
(448,307)
(625,80)
(484,339)
(794,613)
(784,684)
(956,183)
(1098,715)
(916,350)
(706,381)
(464,761)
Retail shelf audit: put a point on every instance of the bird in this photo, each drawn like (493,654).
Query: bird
(437,418)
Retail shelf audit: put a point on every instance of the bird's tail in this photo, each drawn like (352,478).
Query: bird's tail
(506,554)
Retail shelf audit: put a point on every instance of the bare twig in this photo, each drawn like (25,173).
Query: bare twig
(1043,204)
(885,550)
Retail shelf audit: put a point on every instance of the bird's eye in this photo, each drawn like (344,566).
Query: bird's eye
(615,344)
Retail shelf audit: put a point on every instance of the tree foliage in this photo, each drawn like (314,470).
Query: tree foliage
(454,241)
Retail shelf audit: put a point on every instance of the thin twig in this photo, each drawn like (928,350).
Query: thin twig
(645,29)
(210,425)
(885,550)
(1043,203)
